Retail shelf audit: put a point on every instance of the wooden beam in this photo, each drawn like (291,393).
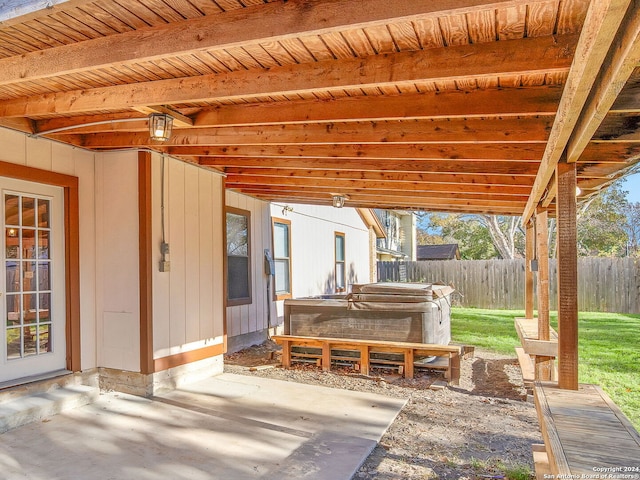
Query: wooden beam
(495,153)
(179,120)
(401,205)
(390,175)
(236,28)
(567,277)
(618,66)
(455,104)
(493,130)
(469,104)
(458,166)
(543,364)
(530,241)
(551,54)
(598,32)
(371,195)
(246,181)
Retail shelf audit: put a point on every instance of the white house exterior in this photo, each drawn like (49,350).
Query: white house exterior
(325,250)
(115,263)
(94,295)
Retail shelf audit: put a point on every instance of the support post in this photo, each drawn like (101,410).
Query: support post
(528,273)
(544,365)
(567,276)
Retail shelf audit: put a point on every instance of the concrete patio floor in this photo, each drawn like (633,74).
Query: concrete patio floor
(227,427)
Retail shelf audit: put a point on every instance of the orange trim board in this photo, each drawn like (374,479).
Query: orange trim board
(178,359)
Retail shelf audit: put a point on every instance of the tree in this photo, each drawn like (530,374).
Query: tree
(632,228)
(601,223)
(479,237)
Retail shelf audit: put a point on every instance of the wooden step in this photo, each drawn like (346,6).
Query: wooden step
(527,367)
(541,461)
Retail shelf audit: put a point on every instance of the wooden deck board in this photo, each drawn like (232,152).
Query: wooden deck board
(527,329)
(584,430)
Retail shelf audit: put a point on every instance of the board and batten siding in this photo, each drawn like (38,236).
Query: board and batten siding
(44,154)
(252,317)
(313,229)
(188,300)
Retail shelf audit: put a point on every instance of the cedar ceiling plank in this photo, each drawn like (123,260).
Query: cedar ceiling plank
(454,30)
(266,23)
(511,22)
(482,26)
(629,99)
(601,23)
(550,54)
(533,101)
(390,175)
(541,18)
(508,130)
(428,32)
(618,67)
(481,153)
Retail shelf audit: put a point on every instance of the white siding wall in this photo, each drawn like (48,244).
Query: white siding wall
(243,319)
(188,301)
(41,153)
(313,250)
(118,284)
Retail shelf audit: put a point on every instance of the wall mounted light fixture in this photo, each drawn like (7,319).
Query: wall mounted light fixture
(160,126)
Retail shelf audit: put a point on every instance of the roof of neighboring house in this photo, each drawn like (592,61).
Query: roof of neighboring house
(447,251)
(371,220)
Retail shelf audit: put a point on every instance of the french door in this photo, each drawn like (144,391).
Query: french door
(32,280)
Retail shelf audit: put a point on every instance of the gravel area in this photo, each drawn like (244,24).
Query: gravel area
(481,429)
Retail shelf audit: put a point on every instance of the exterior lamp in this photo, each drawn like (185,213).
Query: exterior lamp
(160,125)
(338,201)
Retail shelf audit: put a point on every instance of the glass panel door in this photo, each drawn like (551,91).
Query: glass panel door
(32,301)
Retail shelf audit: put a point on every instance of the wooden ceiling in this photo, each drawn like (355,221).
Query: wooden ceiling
(446,105)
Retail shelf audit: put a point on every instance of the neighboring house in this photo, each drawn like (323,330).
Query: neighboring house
(315,250)
(399,243)
(448,251)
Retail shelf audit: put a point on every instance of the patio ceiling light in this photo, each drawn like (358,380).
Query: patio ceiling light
(160,125)
(338,201)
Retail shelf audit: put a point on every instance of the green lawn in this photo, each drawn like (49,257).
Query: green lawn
(609,348)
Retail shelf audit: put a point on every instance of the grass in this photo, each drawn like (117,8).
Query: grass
(608,350)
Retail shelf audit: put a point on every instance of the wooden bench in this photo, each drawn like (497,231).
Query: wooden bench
(448,355)
(583,431)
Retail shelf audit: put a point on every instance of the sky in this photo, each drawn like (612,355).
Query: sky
(632,185)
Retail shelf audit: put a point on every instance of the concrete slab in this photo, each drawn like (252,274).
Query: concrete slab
(226,427)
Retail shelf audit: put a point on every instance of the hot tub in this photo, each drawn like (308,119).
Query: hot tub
(402,312)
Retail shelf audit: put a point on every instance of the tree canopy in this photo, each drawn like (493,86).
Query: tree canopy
(608,225)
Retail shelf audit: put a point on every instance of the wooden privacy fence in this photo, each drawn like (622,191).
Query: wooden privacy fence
(604,284)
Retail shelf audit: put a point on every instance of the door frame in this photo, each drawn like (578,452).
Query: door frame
(69,184)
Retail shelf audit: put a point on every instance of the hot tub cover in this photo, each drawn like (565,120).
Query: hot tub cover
(413,297)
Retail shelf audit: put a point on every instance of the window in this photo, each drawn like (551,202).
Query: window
(238,257)
(282,257)
(341,271)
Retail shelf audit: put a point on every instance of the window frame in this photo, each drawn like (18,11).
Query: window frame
(242,300)
(343,261)
(289,294)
